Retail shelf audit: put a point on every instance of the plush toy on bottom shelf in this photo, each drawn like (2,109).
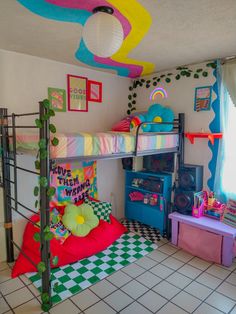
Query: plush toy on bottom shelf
(156,113)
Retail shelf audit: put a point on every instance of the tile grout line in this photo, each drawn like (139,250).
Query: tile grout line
(234,308)
(7,304)
(120,289)
(149,289)
(117,288)
(185,263)
(214,290)
(147,270)
(192,280)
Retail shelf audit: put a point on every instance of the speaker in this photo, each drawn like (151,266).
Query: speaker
(191,177)
(183,201)
(127,163)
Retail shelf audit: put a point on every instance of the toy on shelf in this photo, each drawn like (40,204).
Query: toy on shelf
(136,196)
(199,204)
(153,200)
(205,204)
(214,208)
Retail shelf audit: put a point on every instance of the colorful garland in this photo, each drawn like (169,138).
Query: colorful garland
(183,71)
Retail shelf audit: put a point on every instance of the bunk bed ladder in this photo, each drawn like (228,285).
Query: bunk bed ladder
(44,134)
(6,184)
(9,159)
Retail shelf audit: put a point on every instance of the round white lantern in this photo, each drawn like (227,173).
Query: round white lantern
(103,34)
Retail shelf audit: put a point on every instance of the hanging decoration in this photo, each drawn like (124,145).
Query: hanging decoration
(130,14)
(109,35)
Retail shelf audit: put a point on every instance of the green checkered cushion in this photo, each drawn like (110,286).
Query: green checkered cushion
(101,209)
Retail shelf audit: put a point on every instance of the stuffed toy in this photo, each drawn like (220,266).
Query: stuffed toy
(156,113)
(80,220)
(159,113)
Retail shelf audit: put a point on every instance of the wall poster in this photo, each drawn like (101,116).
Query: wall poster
(77,87)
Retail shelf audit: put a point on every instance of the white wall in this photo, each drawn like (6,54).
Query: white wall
(24,81)
(181,99)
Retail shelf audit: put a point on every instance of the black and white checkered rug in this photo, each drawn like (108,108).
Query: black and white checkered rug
(149,233)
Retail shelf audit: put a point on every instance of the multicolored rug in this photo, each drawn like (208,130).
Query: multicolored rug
(73,278)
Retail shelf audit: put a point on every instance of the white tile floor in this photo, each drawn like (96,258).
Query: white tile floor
(167,281)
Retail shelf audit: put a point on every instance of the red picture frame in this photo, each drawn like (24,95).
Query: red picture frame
(94,91)
(77,93)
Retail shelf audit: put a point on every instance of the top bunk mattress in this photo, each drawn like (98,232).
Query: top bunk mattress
(99,144)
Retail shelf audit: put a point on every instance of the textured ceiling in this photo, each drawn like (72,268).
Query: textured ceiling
(182,32)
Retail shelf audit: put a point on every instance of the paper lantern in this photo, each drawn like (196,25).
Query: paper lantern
(103,33)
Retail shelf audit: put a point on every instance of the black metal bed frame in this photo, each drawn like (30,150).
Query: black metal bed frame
(9,160)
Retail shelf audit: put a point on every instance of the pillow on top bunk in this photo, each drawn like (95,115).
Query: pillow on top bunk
(123,125)
(101,209)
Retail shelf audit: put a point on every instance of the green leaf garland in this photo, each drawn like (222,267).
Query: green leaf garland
(181,71)
(43,182)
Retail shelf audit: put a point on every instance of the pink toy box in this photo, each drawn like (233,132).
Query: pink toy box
(201,243)
(207,238)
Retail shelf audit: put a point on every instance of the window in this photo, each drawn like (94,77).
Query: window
(228,171)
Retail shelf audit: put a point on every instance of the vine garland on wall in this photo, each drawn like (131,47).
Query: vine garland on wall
(182,71)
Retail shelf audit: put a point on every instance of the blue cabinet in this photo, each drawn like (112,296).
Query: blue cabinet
(147,196)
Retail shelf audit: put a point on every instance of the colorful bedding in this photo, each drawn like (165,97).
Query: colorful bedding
(96,144)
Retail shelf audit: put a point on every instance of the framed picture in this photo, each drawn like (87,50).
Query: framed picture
(77,87)
(94,91)
(202,98)
(57,99)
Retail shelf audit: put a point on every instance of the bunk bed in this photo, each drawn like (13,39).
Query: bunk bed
(71,148)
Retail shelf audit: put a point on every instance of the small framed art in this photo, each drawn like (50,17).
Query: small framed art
(94,91)
(202,98)
(77,89)
(57,99)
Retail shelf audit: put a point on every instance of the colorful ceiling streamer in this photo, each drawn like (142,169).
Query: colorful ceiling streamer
(131,15)
(159,91)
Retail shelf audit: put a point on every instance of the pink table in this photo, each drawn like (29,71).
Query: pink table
(228,233)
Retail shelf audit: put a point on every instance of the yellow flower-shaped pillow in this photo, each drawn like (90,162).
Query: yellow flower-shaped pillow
(80,220)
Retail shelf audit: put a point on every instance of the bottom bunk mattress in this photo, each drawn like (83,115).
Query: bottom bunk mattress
(72,250)
(100,144)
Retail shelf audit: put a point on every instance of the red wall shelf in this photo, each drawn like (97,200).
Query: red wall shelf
(211,136)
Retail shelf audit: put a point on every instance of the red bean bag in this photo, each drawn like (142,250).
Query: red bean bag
(72,250)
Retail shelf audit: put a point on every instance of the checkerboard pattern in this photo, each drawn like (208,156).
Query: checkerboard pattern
(73,278)
(149,233)
(101,209)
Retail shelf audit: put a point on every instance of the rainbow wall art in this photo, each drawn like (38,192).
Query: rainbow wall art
(131,15)
(159,91)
